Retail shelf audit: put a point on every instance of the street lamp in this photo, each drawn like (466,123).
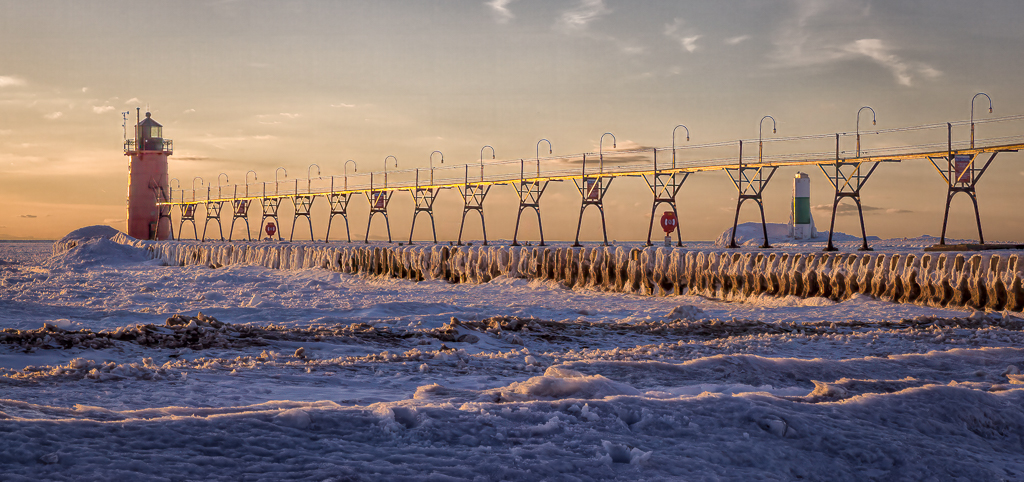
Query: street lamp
(201,182)
(355,168)
(254,178)
(674,142)
(550,151)
(482,160)
(432,165)
(858,125)
(309,177)
(386,169)
(972,113)
(600,148)
(275,177)
(218,183)
(760,138)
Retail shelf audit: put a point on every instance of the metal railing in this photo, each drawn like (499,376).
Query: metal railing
(168,146)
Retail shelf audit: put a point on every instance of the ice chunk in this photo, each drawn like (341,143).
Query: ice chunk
(294,418)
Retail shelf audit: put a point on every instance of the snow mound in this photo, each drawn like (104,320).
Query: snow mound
(85,252)
(82,235)
(559,383)
(294,418)
(751,234)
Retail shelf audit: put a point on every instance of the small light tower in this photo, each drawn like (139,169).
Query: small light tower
(801,224)
(147,180)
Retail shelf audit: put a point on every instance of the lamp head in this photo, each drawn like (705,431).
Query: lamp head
(873,122)
(989,110)
(774,131)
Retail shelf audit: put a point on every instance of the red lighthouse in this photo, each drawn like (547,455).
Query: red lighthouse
(147,181)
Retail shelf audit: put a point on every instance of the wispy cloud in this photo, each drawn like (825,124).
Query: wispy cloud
(583,14)
(500,9)
(342,104)
(188,111)
(737,40)
(102,109)
(851,209)
(687,40)
(28,216)
(54,115)
(133,100)
(290,116)
(8,81)
(804,41)
(877,51)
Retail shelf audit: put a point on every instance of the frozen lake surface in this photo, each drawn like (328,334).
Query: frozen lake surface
(316,375)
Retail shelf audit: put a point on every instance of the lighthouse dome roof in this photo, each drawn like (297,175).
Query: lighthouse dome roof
(148,121)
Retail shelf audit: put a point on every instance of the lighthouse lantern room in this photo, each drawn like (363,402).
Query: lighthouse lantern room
(147,181)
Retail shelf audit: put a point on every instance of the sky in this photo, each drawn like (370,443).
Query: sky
(258,85)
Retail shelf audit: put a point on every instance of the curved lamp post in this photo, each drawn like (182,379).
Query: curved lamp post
(600,148)
(431,162)
(858,125)
(550,151)
(482,160)
(179,188)
(760,138)
(201,182)
(386,169)
(254,178)
(972,113)
(355,168)
(275,178)
(218,183)
(674,142)
(309,177)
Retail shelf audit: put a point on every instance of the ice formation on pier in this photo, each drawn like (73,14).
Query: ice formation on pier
(981,280)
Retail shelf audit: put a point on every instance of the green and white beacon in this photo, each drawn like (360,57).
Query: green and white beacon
(801,223)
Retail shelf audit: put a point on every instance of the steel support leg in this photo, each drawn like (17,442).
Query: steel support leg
(369,222)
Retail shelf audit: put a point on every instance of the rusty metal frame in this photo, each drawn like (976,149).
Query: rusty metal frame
(303,205)
(756,184)
(424,198)
(215,208)
(665,193)
(339,206)
(529,193)
(592,190)
(473,196)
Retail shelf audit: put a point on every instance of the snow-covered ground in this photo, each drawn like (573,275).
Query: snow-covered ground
(314,374)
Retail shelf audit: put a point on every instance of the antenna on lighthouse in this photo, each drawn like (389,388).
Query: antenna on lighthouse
(124,123)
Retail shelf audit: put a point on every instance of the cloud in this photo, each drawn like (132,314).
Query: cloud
(849,209)
(188,111)
(28,216)
(290,116)
(133,100)
(102,109)
(54,115)
(500,10)
(804,42)
(342,104)
(737,40)
(190,158)
(8,81)
(586,12)
(112,221)
(85,89)
(876,50)
(674,31)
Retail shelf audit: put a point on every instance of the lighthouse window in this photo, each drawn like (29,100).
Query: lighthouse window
(155,131)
